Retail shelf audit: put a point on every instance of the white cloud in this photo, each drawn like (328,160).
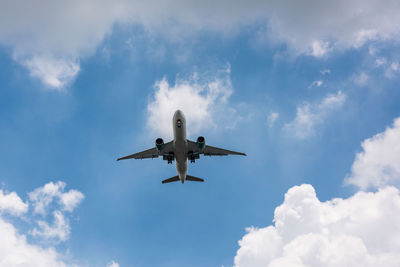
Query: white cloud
(12,204)
(319,48)
(71,199)
(361,79)
(15,251)
(317,83)
(309,115)
(380,61)
(44,33)
(325,71)
(379,162)
(113,264)
(199,101)
(42,197)
(392,70)
(272,117)
(55,73)
(57,232)
(358,231)
(362,230)
(52,196)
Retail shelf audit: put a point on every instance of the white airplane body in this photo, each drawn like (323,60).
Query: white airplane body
(181,150)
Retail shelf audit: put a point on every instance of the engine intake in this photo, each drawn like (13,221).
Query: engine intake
(160,144)
(201,142)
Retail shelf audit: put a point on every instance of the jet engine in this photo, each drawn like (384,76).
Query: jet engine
(201,142)
(160,144)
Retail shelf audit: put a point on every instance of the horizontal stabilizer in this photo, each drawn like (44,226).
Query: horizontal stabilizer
(192,178)
(170,180)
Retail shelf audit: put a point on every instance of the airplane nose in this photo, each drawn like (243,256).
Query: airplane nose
(178,113)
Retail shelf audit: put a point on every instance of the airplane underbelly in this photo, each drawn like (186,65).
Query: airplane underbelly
(181,159)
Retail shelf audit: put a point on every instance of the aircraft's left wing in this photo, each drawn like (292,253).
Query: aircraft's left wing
(151,153)
(215,151)
(212,150)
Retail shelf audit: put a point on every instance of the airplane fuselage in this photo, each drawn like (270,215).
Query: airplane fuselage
(181,150)
(180,144)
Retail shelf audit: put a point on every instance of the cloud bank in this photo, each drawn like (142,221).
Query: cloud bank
(362,230)
(50,38)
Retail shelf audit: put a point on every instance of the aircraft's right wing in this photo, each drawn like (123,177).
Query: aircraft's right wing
(151,153)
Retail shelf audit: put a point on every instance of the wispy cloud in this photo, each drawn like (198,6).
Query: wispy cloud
(55,73)
(325,71)
(308,115)
(272,117)
(361,79)
(317,83)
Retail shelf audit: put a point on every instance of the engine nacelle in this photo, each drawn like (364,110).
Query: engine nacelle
(201,142)
(160,144)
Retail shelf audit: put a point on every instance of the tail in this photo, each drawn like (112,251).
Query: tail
(170,180)
(188,178)
(194,179)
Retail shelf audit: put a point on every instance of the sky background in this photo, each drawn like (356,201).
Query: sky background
(308,89)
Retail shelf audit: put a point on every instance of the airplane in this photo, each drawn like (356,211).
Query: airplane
(181,150)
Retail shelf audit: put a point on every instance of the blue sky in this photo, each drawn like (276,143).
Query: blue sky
(311,98)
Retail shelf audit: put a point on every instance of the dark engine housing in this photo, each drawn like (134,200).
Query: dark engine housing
(160,144)
(201,142)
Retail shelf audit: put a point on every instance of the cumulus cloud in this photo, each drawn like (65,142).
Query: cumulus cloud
(198,99)
(71,199)
(358,231)
(17,252)
(50,37)
(12,203)
(379,162)
(57,232)
(309,115)
(43,196)
(51,196)
(362,230)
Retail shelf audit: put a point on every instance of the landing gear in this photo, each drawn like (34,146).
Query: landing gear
(193,156)
(169,158)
